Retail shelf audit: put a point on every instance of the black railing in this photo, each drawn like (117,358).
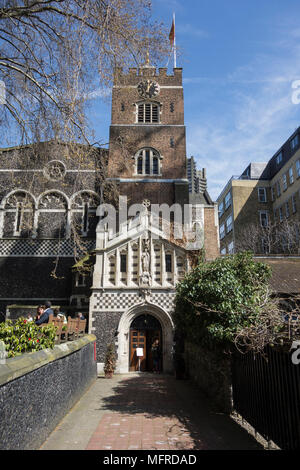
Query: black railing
(266,393)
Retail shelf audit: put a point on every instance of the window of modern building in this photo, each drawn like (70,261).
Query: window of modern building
(227,200)
(298,168)
(262,195)
(287,209)
(148,113)
(284,182)
(294,142)
(231,248)
(272,193)
(221,209)
(222,231)
(291,175)
(172,107)
(280,214)
(264,219)
(294,204)
(279,158)
(278,188)
(223,251)
(229,224)
(147,162)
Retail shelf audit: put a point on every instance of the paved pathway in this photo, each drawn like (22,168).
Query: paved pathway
(146,411)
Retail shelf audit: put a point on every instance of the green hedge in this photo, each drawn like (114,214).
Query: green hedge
(217,299)
(24,336)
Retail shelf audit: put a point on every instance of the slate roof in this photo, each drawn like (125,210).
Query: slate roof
(285,273)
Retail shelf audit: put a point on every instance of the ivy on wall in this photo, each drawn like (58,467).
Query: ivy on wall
(217,300)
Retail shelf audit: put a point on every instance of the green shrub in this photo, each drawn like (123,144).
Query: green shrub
(216,300)
(24,336)
(110,359)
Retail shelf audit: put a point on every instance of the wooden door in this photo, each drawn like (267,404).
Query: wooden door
(137,340)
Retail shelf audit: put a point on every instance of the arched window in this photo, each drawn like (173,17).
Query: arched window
(84,206)
(52,215)
(148,113)
(19,215)
(148,162)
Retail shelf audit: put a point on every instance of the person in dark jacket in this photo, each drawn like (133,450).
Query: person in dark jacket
(156,354)
(44,318)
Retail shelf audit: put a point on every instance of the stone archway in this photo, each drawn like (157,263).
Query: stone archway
(167,327)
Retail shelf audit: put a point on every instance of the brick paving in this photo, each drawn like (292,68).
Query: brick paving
(149,412)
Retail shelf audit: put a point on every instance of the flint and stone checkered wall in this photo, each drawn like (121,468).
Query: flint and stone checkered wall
(119,301)
(108,308)
(29,247)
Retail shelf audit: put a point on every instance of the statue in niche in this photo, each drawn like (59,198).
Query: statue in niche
(146,275)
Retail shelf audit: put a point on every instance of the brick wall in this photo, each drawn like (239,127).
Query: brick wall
(210,234)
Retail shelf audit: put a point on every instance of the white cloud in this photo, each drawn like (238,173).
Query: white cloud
(257,115)
(187,28)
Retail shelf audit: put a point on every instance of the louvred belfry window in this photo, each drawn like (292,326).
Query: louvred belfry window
(148,113)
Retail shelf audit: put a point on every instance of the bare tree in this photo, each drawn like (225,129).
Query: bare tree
(274,238)
(54,53)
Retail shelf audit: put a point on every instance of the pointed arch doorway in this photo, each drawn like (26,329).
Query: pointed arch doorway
(144,330)
(167,330)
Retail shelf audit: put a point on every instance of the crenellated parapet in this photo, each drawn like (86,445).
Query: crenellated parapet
(134,75)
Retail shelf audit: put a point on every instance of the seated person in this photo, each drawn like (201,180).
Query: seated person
(60,315)
(80,316)
(44,318)
(39,312)
(29,317)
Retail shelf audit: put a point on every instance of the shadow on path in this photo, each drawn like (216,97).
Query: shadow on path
(161,396)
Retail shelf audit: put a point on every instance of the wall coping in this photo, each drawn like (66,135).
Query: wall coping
(15,367)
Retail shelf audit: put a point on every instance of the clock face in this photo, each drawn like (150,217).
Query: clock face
(148,89)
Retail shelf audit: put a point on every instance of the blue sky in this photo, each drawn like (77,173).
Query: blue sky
(239,61)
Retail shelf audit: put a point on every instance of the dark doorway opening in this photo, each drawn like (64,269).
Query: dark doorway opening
(144,330)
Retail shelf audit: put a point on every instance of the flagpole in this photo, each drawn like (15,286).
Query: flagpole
(174,45)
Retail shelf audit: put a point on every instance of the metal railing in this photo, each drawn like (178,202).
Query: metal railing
(266,393)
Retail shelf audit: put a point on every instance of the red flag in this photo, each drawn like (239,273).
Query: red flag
(172,33)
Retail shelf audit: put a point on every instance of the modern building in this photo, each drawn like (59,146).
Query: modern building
(260,209)
(197,178)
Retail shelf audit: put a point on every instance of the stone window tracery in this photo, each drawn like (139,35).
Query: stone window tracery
(84,206)
(52,215)
(148,162)
(19,215)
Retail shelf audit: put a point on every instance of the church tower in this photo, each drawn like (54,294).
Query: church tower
(147,149)
(138,266)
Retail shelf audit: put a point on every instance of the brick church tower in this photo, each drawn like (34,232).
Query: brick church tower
(137,269)
(147,150)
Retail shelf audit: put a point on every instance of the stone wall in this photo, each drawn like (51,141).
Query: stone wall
(211,370)
(105,327)
(38,389)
